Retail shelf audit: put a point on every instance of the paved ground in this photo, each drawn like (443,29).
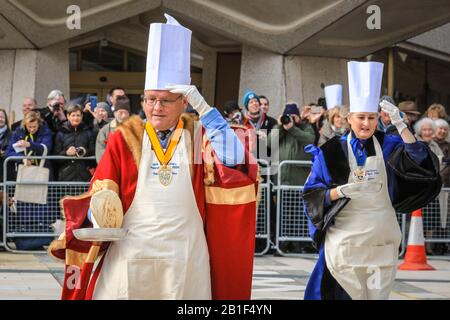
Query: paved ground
(37,276)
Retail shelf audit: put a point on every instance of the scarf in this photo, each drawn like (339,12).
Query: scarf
(358,148)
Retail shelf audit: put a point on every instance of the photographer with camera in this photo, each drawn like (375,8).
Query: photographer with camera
(74,140)
(53,114)
(294,133)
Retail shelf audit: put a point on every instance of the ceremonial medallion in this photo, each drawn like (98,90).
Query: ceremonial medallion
(359,175)
(165,175)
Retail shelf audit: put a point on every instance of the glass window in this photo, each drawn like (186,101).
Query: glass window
(136,62)
(98,58)
(73,58)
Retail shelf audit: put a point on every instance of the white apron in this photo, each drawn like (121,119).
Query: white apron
(165,254)
(361,248)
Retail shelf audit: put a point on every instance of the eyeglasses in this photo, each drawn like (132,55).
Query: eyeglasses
(151,101)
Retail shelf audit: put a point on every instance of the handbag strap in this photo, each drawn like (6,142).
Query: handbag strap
(44,154)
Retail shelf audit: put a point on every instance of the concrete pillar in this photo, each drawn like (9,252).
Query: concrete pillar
(209,76)
(32,73)
(289,78)
(305,75)
(6,77)
(263,72)
(52,71)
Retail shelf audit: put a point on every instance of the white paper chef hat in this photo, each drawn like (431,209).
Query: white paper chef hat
(333,95)
(364,83)
(168,55)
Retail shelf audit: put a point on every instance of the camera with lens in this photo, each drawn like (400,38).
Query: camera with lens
(56,106)
(80,152)
(286,119)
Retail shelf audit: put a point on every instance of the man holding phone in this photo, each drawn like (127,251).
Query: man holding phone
(93,101)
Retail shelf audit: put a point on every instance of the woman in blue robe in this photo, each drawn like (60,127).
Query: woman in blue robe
(357,183)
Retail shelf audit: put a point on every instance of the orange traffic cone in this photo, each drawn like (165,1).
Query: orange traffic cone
(416,258)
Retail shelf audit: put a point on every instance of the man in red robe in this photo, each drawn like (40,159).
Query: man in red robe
(189,207)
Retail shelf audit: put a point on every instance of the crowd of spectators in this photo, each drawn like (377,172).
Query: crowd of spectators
(77,131)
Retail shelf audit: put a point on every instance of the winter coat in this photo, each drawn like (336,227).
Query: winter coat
(68,136)
(43,137)
(291,144)
(102,138)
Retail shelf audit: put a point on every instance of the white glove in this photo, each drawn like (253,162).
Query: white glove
(194,97)
(394,114)
(358,189)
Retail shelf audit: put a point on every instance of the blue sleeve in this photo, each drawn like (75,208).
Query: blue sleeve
(417,151)
(223,140)
(36,147)
(319,178)
(10,150)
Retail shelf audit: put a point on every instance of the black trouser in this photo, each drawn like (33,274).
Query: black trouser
(330,289)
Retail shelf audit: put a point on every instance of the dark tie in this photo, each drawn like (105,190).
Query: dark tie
(162,135)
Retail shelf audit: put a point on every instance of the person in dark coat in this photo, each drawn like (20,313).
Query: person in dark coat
(74,140)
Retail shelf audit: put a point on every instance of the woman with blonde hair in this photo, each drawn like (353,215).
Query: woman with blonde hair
(336,124)
(32,138)
(436,111)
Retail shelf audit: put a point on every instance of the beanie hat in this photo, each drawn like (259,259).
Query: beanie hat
(123,103)
(291,108)
(249,95)
(103,105)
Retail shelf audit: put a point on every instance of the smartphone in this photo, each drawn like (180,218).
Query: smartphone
(316,109)
(93,101)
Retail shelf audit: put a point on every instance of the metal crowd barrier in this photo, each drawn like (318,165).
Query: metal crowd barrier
(263,210)
(436,225)
(292,224)
(2,222)
(34,220)
(28,220)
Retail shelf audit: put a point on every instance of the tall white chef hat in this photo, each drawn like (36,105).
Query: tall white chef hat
(364,83)
(333,95)
(168,55)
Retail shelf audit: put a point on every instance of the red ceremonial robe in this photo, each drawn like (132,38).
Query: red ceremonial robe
(226,199)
